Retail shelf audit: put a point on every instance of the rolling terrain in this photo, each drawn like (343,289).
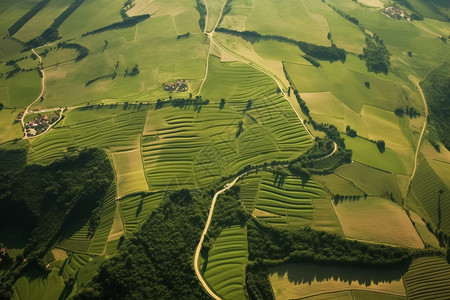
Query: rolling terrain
(232,149)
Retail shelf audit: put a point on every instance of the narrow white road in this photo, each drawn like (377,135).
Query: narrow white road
(416,82)
(39,97)
(205,230)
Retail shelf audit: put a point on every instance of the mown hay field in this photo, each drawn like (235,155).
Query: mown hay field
(377,220)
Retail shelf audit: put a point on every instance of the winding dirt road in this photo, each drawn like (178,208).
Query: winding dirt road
(39,97)
(416,82)
(205,230)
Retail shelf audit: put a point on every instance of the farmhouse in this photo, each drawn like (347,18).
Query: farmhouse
(178,86)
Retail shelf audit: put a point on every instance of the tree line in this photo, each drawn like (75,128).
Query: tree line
(51,34)
(82,51)
(436,87)
(201,8)
(128,22)
(26,17)
(332,53)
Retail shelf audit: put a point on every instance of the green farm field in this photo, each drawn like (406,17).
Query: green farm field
(278,104)
(289,202)
(377,220)
(225,266)
(427,278)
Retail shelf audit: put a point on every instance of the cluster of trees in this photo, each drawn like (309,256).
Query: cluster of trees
(51,34)
(43,200)
(91,81)
(381,145)
(135,71)
(26,17)
(376,55)
(13,156)
(312,60)
(201,8)
(197,102)
(411,112)
(82,51)
(66,13)
(436,87)
(128,22)
(346,16)
(181,36)
(17,69)
(226,10)
(156,261)
(269,246)
(126,6)
(350,132)
(332,53)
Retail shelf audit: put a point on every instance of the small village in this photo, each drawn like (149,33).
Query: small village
(394,12)
(38,125)
(178,86)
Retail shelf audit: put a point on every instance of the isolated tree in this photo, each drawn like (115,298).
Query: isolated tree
(381,146)
(1,105)
(249,105)
(222,103)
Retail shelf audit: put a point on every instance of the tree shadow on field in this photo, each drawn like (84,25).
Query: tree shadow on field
(308,273)
(139,208)
(279,180)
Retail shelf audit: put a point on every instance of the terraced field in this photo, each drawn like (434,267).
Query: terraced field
(183,148)
(101,236)
(428,278)
(249,191)
(225,267)
(432,194)
(116,133)
(288,202)
(135,209)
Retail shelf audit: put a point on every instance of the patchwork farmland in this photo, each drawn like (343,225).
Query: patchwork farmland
(301,146)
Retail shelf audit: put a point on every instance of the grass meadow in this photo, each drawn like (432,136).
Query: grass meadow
(377,220)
